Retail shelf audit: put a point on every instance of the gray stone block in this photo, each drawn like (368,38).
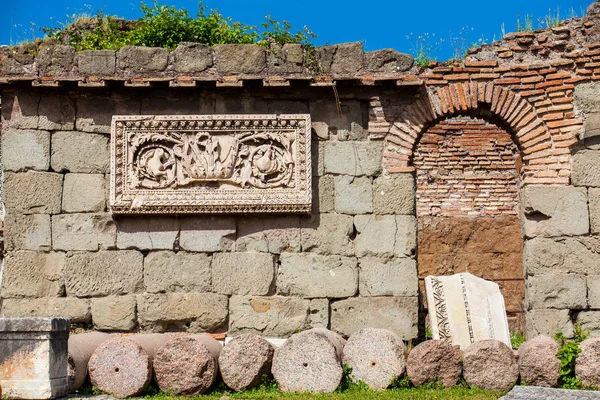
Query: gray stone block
(536,392)
(32,192)
(589,321)
(385,235)
(114,313)
(394,194)
(20,109)
(166,271)
(323,194)
(328,234)
(208,234)
(591,131)
(388,61)
(286,59)
(319,313)
(548,322)
(586,98)
(87,231)
(344,121)
(84,193)
(556,291)
(95,111)
(97,62)
(77,310)
(243,273)
(554,211)
(398,314)
(25,149)
(593,291)
(586,168)
(33,274)
(192,57)
(353,158)
(231,59)
(56,111)
(192,311)
(353,195)
(56,60)
(27,232)
(140,60)
(348,58)
(103,273)
(268,316)
(594,209)
(142,233)
(80,152)
(270,234)
(308,275)
(579,255)
(397,277)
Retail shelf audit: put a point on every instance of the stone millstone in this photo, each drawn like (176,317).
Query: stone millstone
(434,360)
(376,357)
(309,362)
(538,364)
(187,365)
(490,364)
(81,348)
(123,366)
(587,366)
(245,360)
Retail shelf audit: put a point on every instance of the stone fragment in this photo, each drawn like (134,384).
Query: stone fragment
(353,158)
(32,192)
(122,366)
(56,112)
(114,313)
(538,364)
(376,357)
(434,361)
(353,195)
(231,59)
(548,322)
(388,61)
(166,271)
(187,365)
(243,273)
(142,233)
(55,60)
(192,57)
(534,392)
(394,194)
(586,169)
(271,234)
(245,360)
(140,60)
(86,231)
(397,277)
(84,193)
(491,365)
(208,234)
(97,62)
(371,228)
(308,362)
(80,152)
(328,234)
(77,310)
(587,366)
(348,58)
(33,274)
(25,149)
(81,348)
(557,291)
(27,232)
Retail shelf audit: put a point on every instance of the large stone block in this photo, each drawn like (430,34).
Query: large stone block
(394,194)
(243,273)
(385,235)
(311,275)
(328,234)
(27,232)
(594,209)
(231,59)
(56,111)
(285,59)
(343,120)
(32,192)
(25,149)
(268,316)
(80,152)
(586,97)
(548,322)
(398,314)
(554,211)
(143,233)
(87,231)
(208,234)
(323,195)
(319,313)
(103,273)
(33,274)
(77,310)
(586,168)
(353,195)
(56,60)
(270,234)
(166,271)
(589,321)
(196,312)
(591,131)
(579,255)
(84,193)
(95,111)
(114,313)
(140,60)
(192,57)
(556,291)
(593,291)
(97,62)
(388,61)
(20,109)
(353,158)
(397,277)
(348,58)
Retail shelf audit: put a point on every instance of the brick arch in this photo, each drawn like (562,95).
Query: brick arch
(546,156)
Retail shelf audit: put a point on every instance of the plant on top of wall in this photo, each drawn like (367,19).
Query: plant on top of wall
(567,354)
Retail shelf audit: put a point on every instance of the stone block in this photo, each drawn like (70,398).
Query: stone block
(87,231)
(56,111)
(33,274)
(80,152)
(268,234)
(554,211)
(344,121)
(579,255)
(328,234)
(548,322)
(348,58)
(27,232)
(25,149)
(77,310)
(243,273)
(319,313)
(586,97)
(192,311)
(323,195)
(208,234)
(353,195)
(286,59)
(140,60)
(397,277)
(591,131)
(353,158)
(103,273)
(166,271)
(56,60)
(556,291)
(12,66)
(32,192)
(232,59)
(537,392)
(317,155)
(385,235)
(84,193)
(20,109)
(586,168)
(95,111)
(593,291)
(97,62)
(594,209)
(114,313)
(388,61)
(192,57)
(398,314)
(394,194)
(143,233)
(311,275)
(268,316)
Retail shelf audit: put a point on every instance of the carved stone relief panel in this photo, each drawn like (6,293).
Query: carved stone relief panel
(210,164)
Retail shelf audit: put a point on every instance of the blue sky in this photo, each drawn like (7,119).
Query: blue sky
(379,24)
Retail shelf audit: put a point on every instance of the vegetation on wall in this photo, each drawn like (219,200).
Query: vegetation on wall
(567,354)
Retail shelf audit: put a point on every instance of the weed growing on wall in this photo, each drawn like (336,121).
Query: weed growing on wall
(424,47)
(567,354)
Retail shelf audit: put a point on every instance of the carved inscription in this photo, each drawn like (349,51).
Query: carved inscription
(211,164)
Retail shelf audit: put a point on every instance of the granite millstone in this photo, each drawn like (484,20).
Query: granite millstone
(587,366)
(81,348)
(538,364)
(490,364)
(309,362)
(376,357)
(245,360)
(187,365)
(434,360)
